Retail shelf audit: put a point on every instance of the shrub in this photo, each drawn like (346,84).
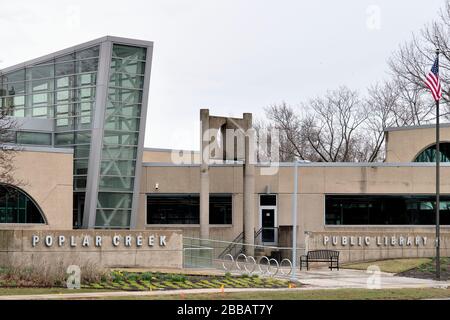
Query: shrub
(44,274)
(117,276)
(131,276)
(178,278)
(147,276)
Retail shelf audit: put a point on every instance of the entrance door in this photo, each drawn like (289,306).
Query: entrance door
(268,219)
(269,227)
(269,232)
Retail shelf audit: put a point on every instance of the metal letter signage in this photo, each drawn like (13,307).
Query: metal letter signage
(86,241)
(379,241)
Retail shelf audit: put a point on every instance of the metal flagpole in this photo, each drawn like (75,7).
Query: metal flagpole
(438,160)
(294,223)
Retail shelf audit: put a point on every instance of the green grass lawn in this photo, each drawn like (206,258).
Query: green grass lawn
(392,265)
(337,294)
(288,294)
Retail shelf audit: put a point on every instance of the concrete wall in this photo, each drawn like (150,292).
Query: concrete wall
(47,176)
(16,248)
(404,144)
(382,244)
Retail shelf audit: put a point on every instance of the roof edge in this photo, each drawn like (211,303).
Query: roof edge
(168,150)
(309,164)
(426,126)
(80,46)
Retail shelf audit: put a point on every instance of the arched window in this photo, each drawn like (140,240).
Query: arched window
(18,207)
(429,154)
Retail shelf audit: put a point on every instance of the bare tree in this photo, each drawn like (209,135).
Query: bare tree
(410,64)
(326,129)
(292,142)
(7,151)
(342,127)
(383,110)
(333,126)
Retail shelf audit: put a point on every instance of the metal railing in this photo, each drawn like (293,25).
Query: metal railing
(236,246)
(196,254)
(241,257)
(232,248)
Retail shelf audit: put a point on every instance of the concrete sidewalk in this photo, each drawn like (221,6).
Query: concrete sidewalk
(347,278)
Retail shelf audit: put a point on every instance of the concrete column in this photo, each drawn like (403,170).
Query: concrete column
(249,187)
(98,122)
(204,174)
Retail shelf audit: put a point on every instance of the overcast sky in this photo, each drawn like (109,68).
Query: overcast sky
(231,56)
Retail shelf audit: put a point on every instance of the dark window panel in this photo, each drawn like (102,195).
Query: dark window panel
(129,52)
(88,53)
(68,57)
(220,209)
(385,209)
(65,68)
(17,207)
(14,76)
(36,138)
(268,200)
(185,209)
(88,65)
(173,209)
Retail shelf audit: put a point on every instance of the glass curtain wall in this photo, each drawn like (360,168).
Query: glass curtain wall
(120,137)
(62,89)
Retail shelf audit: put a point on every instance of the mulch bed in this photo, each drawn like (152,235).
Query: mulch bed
(136,282)
(192,282)
(428,270)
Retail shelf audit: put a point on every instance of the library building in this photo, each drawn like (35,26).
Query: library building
(84,185)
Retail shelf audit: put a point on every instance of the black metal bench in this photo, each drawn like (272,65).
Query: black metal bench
(330,256)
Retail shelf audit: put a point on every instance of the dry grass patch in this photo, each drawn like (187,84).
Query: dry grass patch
(391,265)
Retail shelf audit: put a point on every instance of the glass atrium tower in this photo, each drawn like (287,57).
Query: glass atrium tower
(92,98)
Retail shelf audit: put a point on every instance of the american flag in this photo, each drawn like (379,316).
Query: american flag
(432,81)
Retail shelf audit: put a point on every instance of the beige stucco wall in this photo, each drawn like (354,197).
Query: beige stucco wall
(186,179)
(47,178)
(170,156)
(315,181)
(405,144)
